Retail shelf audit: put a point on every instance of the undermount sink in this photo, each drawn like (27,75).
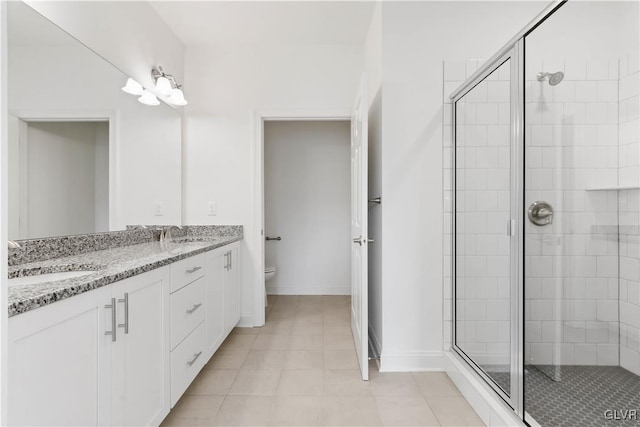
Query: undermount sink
(47,277)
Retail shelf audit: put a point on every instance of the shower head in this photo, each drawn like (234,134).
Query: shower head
(554,78)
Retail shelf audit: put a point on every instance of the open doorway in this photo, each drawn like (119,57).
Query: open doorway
(307,207)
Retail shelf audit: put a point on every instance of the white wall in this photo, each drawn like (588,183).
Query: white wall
(416,38)
(228,85)
(13,174)
(3,209)
(307,203)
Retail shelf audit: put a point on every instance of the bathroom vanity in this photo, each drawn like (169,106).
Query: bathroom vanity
(119,343)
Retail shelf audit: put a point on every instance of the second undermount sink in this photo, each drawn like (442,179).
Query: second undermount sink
(47,277)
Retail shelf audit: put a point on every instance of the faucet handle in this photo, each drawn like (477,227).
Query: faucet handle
(163,234)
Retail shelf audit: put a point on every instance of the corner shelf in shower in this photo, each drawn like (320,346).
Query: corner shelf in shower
(614,188)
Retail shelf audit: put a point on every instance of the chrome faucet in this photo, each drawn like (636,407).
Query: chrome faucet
(14,245)
(165,232)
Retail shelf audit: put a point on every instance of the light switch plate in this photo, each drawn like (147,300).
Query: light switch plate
(157,209)
(212,209)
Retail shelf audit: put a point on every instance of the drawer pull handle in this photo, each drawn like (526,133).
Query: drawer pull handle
(193,270)
(194,308)
(195,357)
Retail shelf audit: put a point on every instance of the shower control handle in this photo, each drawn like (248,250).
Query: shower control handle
(540,213)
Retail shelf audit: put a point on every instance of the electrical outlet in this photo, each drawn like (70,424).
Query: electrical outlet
(212,208)
(157,209)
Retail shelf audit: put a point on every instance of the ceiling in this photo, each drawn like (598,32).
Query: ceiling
(267,22)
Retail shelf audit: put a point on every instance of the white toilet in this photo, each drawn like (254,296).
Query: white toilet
(269,272)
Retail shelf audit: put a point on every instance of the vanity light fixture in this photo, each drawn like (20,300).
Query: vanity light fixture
(167,85)
(148,98)
(133,87)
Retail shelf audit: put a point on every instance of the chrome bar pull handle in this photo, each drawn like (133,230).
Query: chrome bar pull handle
(194,308)
(273,238)
(112,332)
(230,260)
(226,260)
(125,325)
(193,270)
(195,357)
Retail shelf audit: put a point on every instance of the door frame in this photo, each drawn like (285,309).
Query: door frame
(256,234)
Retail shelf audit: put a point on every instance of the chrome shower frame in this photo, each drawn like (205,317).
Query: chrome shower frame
(514,51)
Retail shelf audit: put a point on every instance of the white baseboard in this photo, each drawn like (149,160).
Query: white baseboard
(304,290)
(489,406)
(412,361)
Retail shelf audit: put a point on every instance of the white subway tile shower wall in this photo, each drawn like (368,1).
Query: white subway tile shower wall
(629,208)
(571,266)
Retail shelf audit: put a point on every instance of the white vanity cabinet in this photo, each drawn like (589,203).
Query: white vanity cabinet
(188,306)
(122,354)
(59,364)
(66,367)
(223,295)
(215,331)
(194,338)
(140,362)
(231,287)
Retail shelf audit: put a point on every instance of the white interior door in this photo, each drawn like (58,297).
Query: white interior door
(359,281)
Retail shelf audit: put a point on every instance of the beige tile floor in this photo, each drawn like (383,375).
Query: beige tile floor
(300,369)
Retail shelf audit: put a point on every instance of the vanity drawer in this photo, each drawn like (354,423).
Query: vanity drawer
(187,310)
(186,271)
(186,361)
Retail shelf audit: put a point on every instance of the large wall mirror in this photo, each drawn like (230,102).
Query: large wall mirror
(84,156)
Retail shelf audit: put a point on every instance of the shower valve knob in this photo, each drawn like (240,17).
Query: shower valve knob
(540,213)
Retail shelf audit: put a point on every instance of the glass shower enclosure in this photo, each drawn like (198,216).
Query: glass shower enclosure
(545,220)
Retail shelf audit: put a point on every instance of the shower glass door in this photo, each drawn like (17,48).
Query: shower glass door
(485,250)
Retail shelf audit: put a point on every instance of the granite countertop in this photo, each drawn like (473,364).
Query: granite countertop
(110,265)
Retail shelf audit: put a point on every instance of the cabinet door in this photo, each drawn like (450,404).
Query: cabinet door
(141,352)
(59,364)
(215,301)
(231,289)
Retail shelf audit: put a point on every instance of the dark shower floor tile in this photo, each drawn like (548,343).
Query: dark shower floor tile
(582,396)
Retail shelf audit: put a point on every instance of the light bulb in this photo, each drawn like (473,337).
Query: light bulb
(176,97)
(133,87)
(148,98)
(163,85)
